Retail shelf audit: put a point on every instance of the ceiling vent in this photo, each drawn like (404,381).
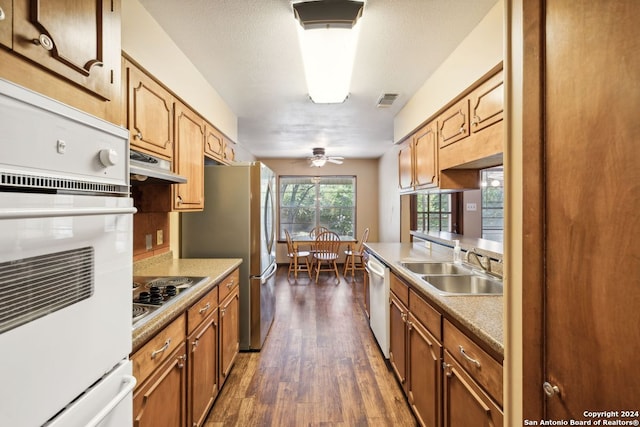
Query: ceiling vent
(386,100)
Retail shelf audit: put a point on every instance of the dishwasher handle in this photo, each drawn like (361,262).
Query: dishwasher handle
(375,267)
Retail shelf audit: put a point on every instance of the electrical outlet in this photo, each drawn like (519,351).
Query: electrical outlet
(148,241)
(159,237)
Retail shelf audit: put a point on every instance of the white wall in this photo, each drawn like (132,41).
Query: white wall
(149,45)
(478,53)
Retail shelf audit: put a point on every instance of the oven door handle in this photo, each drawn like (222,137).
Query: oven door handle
(130,382)
(55,213)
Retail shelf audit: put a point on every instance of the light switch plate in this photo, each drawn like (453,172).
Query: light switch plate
(472,207)
(159,237)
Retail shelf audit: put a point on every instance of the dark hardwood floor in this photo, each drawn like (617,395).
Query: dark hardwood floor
(320,365)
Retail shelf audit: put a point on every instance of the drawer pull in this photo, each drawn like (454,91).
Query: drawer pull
(469,358)
(230,284)
(161,349)
(205,308)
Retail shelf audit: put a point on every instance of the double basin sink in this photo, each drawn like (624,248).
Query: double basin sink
(454,279)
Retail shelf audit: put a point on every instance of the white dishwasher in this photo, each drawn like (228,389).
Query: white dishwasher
(379,284)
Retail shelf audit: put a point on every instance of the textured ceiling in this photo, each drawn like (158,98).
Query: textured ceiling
(248,51)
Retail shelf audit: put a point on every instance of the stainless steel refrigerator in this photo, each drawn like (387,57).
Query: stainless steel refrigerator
(238,221)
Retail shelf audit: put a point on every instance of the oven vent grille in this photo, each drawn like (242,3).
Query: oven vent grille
(63,185)
(34,287)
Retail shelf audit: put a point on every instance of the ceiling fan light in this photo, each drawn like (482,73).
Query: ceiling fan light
(318,163)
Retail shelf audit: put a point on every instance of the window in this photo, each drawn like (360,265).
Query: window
(310,201)
(436,212)
(493,204)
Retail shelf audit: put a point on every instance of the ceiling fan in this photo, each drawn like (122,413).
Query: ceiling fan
(319,158)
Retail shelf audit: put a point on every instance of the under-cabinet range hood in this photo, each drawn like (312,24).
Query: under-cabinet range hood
(146,168)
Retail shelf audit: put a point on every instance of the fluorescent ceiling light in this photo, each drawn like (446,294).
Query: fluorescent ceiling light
(328,36)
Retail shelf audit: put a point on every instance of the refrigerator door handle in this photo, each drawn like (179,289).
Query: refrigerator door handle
(270,272)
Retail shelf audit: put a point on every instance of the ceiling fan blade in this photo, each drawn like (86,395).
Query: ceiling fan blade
(336,160)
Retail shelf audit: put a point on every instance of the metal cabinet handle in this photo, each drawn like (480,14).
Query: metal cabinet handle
(195,345)
(205,308)
(469,358)
(138,135)
(2,15)
(230,284)
(161,349)
(179,200)
(44,41)
(550,389)
(181,360)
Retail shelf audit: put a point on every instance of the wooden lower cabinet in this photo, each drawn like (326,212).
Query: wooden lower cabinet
(229,332)
(465,403)
(398,339)
(203,370)
(160,400)
(424,380)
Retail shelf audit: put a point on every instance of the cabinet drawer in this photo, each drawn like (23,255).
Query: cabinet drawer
(200,310)
(401,290)
(156,351)
(484,369)
(426,314)
(229,282)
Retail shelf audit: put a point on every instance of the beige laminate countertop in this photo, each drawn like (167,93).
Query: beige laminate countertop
(215,269)
(481,315)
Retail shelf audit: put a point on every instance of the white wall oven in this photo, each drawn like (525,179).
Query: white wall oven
(65,265)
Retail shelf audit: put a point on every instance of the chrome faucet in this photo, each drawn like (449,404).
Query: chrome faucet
(477,256)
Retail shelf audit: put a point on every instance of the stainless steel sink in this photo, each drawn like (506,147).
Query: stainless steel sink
(425,267)
(465,284)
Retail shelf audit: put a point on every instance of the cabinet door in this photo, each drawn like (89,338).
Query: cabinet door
(405,167)
(229,333)
(6,23)
(203,370)
(465,404)
(453,125)
(188,159)
(398,338)
(229,151)
(149,114)
(79,40)
(161,399)
(487,103)
(424,382)
(425,148)
(214,143)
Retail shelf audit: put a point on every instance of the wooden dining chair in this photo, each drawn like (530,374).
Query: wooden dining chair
(295,256)
(313,233)
(326,252)
(354,257)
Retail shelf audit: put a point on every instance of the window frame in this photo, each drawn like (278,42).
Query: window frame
(318,207)
(455,211)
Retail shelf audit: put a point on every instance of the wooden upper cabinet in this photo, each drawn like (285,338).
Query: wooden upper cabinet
(214,143)
(229,151)
(6,22)
(405,166)
(487,103)
(79,40)
(217,146)
(188,159)
(453,125)
(425,144)
(149,113)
